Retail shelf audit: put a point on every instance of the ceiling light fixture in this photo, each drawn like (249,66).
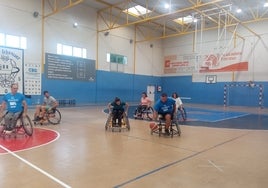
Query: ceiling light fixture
(265,4)
(238,10)
(75,25)
(166,6)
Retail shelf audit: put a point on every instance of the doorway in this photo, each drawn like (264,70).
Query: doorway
(151,92)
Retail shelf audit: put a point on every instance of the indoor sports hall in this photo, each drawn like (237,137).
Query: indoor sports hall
(88,53)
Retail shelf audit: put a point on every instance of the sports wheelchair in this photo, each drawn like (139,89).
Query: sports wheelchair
(52,116)
(144,112)
(23,126)
(113,126)
(174,128)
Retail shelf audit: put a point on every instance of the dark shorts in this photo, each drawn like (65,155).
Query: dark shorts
(164,114)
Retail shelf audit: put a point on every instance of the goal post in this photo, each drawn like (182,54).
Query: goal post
(258,94)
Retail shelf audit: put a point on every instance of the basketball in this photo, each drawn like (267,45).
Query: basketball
(153,126)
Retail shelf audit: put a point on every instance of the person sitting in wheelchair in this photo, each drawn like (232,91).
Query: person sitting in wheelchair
(179,104)
(15,104)
(145,102)
(118,108)
(165,106)
(49,103)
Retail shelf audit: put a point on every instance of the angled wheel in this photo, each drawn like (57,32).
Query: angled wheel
(54,116)
(108,122)
(27,125)
(125,119)
(135,115)
(183,114)
(150,112)
(2,125)
(176,129)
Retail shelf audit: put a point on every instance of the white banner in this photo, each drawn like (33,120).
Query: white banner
(11,68)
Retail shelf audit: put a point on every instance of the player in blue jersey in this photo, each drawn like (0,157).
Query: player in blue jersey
(165,107)
(15,104)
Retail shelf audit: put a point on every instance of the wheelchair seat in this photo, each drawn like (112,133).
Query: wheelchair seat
(174,128)
(114,126)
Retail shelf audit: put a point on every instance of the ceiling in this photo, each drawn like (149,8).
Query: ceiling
(210,14)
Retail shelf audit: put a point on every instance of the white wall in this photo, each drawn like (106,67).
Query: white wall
(17,19)
(254,49)
(59,29)
(144,58)
(148,59)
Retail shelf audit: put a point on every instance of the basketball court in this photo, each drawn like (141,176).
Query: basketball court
(214,150)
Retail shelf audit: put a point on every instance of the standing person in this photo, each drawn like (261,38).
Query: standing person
(145,102)
(117,108)
(49,103)
(15,104)
(166,107)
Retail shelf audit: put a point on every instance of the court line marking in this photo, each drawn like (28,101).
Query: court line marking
(213,165)
(231,114)
(35,167)
(216,166)
(178,161)
(58,136)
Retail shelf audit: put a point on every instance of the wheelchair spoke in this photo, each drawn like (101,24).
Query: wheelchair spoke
(54,117)
(150,113)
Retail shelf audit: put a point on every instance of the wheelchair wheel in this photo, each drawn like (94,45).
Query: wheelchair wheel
(126,121)
(183,114)
(175,128)
(108,122)
(54,117)
(150,113)
(27,125)
(135,115)
(2,125)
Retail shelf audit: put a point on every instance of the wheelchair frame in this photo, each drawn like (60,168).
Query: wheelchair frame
(23,126)
(174,128)
(146,113)
(124,126)
(53,117)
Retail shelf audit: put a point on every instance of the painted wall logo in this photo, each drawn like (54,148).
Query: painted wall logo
(227,62)
(10,68)
(33,70)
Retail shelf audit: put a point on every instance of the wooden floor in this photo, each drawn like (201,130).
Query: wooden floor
(85,155)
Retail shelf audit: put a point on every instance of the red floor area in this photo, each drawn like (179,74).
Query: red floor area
(22,142)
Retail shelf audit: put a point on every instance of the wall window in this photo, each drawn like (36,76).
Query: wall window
(116,61)
(13,41)
(115,58)
(71,50)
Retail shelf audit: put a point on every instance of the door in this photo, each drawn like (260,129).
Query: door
(151,92)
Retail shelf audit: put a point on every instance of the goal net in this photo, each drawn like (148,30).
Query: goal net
(247,94)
